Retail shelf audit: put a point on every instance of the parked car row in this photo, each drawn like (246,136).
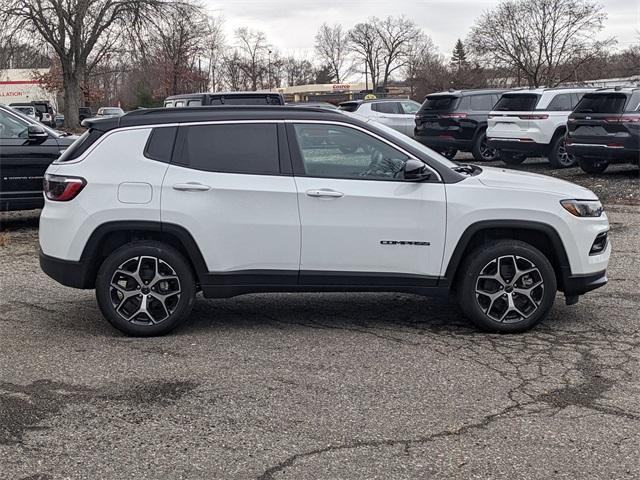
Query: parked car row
(569,126)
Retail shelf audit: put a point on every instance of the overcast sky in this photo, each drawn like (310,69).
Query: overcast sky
(290,25)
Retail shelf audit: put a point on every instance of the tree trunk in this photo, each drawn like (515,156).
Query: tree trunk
(72,97)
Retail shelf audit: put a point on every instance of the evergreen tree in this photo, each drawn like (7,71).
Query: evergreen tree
(459,57)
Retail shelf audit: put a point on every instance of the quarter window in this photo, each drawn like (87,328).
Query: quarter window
(332,151)
(481,103)
(410,108)
(561,103)
(231,148)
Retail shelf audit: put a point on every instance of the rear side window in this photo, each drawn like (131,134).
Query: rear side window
(439,102)
(234,148)
(560,103)
(81,145)
(482,103)
(602,103)
(194,103)
(390,108)
(634,103)
(517,103)
(160,144)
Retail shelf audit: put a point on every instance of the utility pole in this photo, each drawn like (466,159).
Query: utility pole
(269,71)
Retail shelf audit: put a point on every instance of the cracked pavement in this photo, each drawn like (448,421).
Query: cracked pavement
(331,386)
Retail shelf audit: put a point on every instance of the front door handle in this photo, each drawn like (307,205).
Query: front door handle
(191,187)
(324,192)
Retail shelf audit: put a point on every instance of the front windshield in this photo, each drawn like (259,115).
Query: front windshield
(402,138)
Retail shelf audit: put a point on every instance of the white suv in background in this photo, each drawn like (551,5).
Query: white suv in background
(154,206)
(527,123)
(395,113)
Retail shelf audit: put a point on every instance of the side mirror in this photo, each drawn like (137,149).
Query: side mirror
(36,133)
(416,171)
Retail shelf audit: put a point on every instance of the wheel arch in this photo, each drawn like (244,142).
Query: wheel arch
(112,235)
(540,235)
(559,131)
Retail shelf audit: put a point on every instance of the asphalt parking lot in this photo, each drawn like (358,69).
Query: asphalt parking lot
(322,386)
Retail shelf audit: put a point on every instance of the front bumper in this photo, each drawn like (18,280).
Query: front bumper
(574,285)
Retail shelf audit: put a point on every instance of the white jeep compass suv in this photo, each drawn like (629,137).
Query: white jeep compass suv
(527,123)
(150,208)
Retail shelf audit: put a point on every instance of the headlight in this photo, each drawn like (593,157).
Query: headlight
(583,208)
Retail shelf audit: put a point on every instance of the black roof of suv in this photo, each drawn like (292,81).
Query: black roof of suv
(225,98)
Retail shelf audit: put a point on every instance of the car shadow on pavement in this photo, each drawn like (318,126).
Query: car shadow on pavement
(12,221)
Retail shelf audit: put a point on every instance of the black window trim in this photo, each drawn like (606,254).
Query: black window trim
(298,163)
(173,145)
(283,153)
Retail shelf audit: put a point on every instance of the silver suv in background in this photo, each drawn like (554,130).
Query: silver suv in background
(398,114)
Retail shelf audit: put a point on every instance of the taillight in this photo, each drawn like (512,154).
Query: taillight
(62,188)
(533,117)
(623,119)
(453,115)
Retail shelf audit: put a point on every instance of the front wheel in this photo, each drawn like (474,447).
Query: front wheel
(558,156)
(511,158)
(508,286)
(593,165)
(145,288)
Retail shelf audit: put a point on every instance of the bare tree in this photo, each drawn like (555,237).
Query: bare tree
(365,43)
(542,41)
(299,71)
(424,69)
(80,32)
(215,47)
(396,38)
(332,46)
(254,51)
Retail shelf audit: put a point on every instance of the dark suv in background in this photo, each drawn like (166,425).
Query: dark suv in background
(604,128)
(224,98)
(456,120)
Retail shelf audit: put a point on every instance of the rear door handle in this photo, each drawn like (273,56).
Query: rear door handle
(324,192)
(191,187)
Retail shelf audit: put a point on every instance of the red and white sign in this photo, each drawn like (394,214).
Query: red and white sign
(18,85)
(341,86)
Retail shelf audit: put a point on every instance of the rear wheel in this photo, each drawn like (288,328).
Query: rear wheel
(593,165)
(481,151)
(449,153)
(511,158)
(558,156)
(145,288)
(508,286)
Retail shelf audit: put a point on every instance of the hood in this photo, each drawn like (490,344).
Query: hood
(517,180)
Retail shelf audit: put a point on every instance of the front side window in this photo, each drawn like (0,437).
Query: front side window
(332,151)
(12,127)
(229,148)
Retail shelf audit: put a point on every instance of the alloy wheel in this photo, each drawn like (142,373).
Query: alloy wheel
(565,158)
(487,154)
(509,289)
(145,290)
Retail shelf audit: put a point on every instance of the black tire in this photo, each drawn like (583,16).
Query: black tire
(511,158)
(593,165)
(169,296)
(448,153)
(558,155)
(481,152)
(475,293)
